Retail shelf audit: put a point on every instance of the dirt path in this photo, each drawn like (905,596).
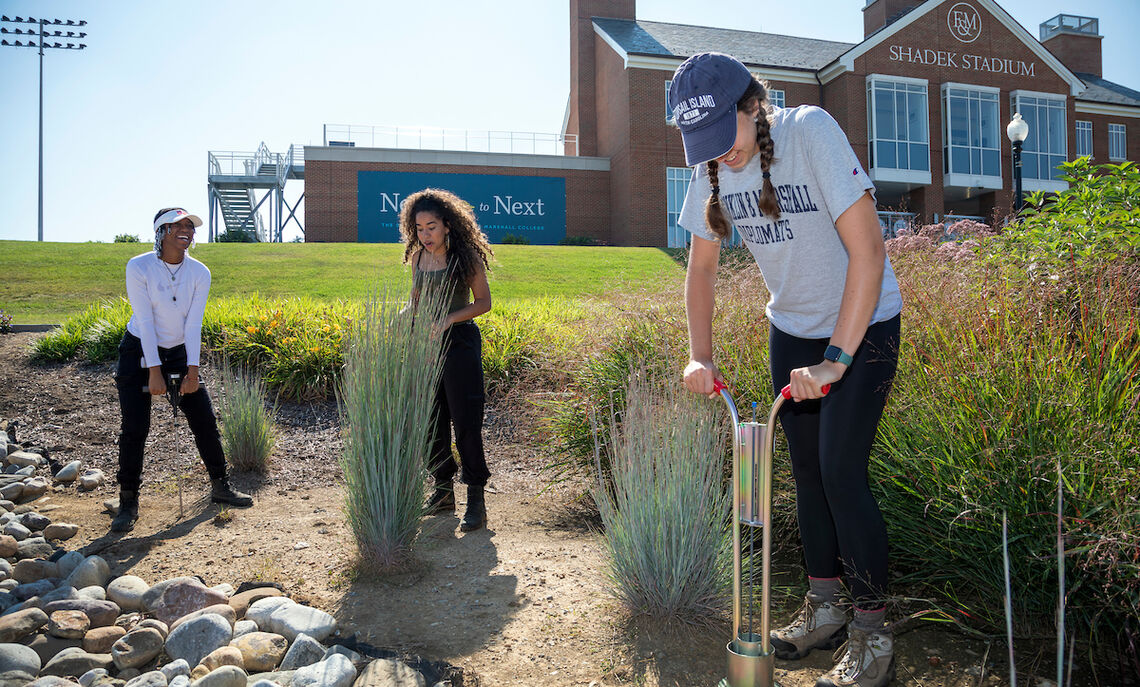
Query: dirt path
(523,602)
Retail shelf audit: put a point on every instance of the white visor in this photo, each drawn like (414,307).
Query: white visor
(176,215)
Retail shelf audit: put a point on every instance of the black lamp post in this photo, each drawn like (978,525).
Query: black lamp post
(39,38)
(1018,131)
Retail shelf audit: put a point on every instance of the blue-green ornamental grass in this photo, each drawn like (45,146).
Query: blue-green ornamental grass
(665,505)
(391,371)
(247,423)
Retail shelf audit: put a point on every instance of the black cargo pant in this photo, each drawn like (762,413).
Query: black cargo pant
(459,403)
(130,378)
(830,444)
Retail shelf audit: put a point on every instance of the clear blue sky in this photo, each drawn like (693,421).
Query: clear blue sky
(129,120)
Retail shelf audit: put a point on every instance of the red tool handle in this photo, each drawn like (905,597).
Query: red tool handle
(719,386)
(786,392)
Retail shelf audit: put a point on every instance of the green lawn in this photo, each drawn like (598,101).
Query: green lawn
(45,282)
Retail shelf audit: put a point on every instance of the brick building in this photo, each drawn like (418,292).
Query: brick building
(924,100)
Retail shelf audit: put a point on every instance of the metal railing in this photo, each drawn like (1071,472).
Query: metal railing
(232,163)
(468,140)
(1069,22)
(893,222)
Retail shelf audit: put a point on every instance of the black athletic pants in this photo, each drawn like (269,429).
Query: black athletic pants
(830,444)
(459,403)
(130,378)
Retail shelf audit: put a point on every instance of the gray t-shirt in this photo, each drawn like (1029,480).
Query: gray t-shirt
(817,177)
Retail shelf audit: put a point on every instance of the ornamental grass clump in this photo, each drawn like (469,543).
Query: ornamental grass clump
(665,507)
(392,366)
(247,423)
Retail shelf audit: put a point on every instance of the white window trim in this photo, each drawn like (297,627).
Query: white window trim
(972,87)
(969,180)
(1077,136)
(906,176)
(1038,94)
(972,181)
(1047,185)
(903,176)
(1050,185)
(898,79)
(1124,130)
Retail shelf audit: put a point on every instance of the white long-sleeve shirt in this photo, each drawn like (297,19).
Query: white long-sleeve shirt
(165,310)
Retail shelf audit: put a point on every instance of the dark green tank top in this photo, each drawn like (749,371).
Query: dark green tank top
(424,281)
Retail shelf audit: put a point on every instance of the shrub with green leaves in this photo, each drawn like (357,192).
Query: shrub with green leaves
(391,372)
(666,507)
(247,423)
(126,238)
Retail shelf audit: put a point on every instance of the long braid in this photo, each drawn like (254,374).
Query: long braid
(769,205)
(714,214)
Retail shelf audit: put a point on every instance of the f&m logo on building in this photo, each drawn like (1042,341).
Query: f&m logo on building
(964,21)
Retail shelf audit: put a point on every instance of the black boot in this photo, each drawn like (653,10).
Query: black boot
(222,492)
(476,515)
(442,500)
(124,520)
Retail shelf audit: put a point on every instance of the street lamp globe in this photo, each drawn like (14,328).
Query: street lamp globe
(1017,129)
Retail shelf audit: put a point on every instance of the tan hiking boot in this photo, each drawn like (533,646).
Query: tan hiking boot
(819,624)
(866,660)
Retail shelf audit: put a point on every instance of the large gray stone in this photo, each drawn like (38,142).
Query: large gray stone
(69,472)
(291,620)
(17,531)
(175,668)
(244,627)
(58,594)
(60,531)
(92,592)
(260,610)
(92,571)
(224,610)
(127,591)
(260,651)
(24,592)
(17,660)
(152,679)
(34,547)
(75,662)
(34,521)
(384,672)
(334,671)
(34,488)
(169,600)
(33,569)
(357,660)
(51,681)
(91,478)
(68,562)
(136,648)
(16,626)
(194,639)
(305,651)
(89,678)
(25,458)
(46,646)
(101,613)
(275,679)
(226,676)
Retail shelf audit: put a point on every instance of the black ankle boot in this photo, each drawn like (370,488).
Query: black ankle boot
(476,514)
(442,500)
(222,492)
(124,520)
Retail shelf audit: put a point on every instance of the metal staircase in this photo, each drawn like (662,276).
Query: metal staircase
(239,185)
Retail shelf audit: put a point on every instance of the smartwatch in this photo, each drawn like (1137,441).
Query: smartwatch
(836,355)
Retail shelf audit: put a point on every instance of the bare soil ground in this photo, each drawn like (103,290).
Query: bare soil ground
(523,602)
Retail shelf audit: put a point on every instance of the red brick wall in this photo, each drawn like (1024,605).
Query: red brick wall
(1100,135)
(331,206)
(583,99)
(1079,53)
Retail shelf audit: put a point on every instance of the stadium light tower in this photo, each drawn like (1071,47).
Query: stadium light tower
(38,38)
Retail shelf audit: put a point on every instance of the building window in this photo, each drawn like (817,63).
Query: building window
(676,186)
(900,135)
(971,132)
(1044,150)
(1117,143)
(1084,139)
(775,97)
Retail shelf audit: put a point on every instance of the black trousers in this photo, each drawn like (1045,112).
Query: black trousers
(830,443)
(130,379)
(459,404)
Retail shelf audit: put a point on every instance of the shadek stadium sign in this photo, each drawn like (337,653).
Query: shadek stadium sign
(965,62)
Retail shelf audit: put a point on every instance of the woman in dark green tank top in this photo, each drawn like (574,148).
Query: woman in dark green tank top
(447,250)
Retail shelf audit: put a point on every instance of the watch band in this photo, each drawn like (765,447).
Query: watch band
(837,355)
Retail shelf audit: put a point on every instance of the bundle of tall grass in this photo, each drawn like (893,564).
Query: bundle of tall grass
(665,506)
(247,423)
(391,372)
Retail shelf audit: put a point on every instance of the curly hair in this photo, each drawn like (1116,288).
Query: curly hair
(467,244)
(755,94)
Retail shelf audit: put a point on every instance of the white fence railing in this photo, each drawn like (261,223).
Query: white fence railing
(468,140)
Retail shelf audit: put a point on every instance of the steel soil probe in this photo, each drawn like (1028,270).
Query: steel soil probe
(751,661)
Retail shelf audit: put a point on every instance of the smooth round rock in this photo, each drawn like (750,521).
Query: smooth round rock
(68,562)
(33,569)
(34,547)
(260,610)
(47,647)
(69,472)
(175,668)
(16,626)
(291,620)
(60,531)
(74,662)
(242,601)
(305,651)
(91,478)
(226,676)
(169,600)
(136,648)
(244,627)
(223,610)
(153,678)
(101,613)
(94,592)
(7,546)
(156,624)
(25,458)
(68,624)
(19,662)
(222,656)
(127,591)
(334,671)
(195,639)
(93,571)
(100,639)
(34,521)
(34,488)
(16,531)
(385,671)
(261,651)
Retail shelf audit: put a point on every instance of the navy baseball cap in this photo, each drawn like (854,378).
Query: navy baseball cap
(702,98)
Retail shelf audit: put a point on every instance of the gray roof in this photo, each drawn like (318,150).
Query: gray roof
(1101,91)
(658,39)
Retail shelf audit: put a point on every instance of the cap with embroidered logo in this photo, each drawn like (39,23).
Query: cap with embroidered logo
(702,98)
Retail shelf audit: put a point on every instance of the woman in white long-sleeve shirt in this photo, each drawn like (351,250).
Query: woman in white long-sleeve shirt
(168,290)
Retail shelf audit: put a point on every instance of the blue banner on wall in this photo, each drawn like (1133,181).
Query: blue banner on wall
(534,207)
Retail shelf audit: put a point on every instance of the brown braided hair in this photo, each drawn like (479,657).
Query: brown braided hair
(467,244)
(755,97)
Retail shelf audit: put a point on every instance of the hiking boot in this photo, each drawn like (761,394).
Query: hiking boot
(442,500)
(222,492)
(476,513)
(819,624)
(866,660)
(124,520)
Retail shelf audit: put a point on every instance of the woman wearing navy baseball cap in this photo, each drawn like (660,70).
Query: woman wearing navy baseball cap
(789,183)
(167,289)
